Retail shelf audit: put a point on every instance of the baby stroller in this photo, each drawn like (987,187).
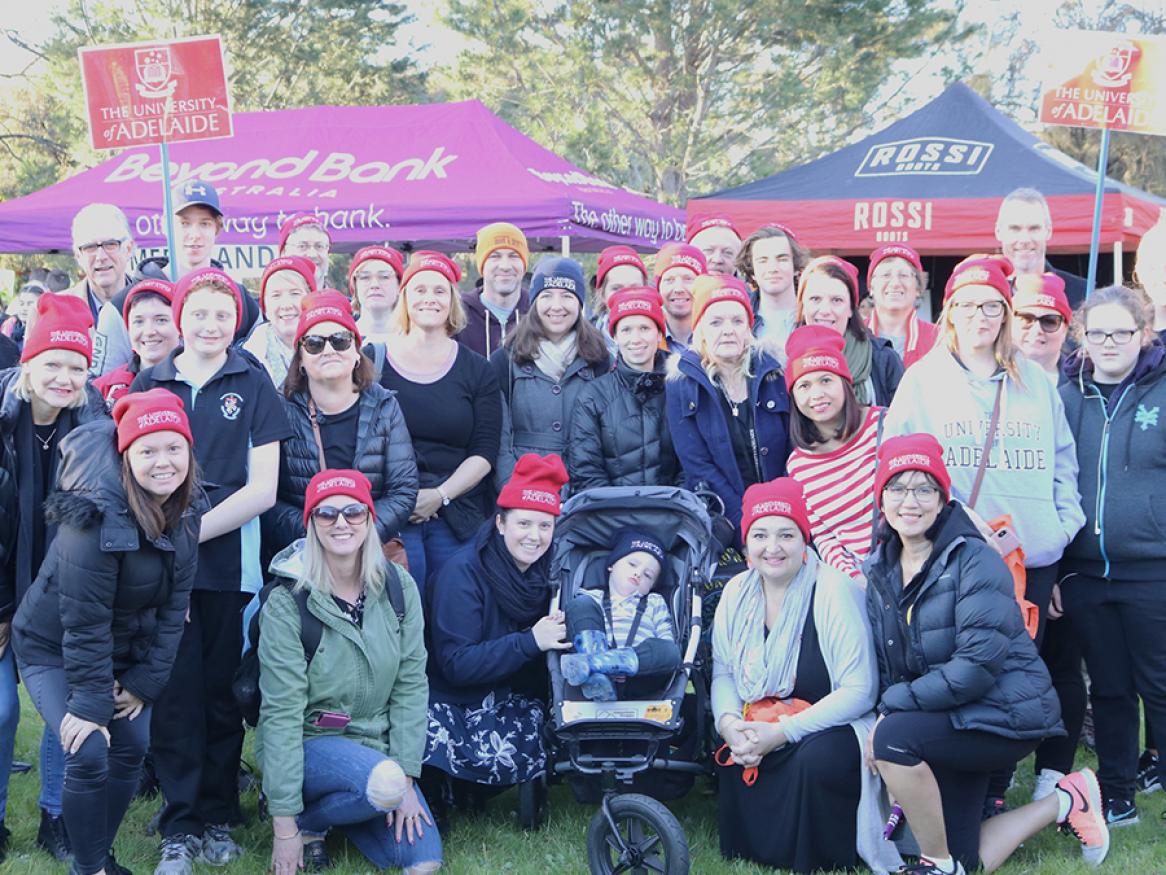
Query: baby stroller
(616,741)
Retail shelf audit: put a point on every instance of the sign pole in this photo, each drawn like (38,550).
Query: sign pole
(1098,196)
(168,206)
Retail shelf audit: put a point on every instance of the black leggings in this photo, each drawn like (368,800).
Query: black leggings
(960,759)
(100,780)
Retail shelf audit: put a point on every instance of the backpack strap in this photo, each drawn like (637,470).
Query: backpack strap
(395,591)
(378,360)
(311,629)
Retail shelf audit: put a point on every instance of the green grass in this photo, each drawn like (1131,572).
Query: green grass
(492,842)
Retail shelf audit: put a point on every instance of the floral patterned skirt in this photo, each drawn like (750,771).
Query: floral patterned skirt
(497,742)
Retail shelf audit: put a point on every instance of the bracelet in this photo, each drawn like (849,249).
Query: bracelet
(295,834)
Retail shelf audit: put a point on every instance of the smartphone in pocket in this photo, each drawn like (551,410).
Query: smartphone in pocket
(332,720)
(1005,541)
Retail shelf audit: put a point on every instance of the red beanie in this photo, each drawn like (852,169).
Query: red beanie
(1042,290)
(62,322)
(709,290)
(202,277)
(893,250)
(326,305)
(815,348)
(636,301)
(696,224)
(614,256)
(535,484)
(911,452)
(679,255)
(784,228)
(423,259)
(338,481)
(387,254)
(300,220)
(781,497)
(816,265)
(981,270)
(296,263)
(142,413)
(157,286)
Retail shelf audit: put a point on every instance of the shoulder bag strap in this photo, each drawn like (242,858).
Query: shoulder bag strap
(316,432)
(874,514)
(988,441)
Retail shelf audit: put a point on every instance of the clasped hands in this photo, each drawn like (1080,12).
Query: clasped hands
(750,741)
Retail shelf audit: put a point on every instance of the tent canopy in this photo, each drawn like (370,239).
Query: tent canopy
(934,180)
(427,175)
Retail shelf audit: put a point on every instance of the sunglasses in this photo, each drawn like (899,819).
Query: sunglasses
(1050,323)
(354,514)
(313,344)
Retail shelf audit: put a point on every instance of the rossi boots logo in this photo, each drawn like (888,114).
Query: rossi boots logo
(925,156)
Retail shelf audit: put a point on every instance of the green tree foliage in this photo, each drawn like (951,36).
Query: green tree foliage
(679,97)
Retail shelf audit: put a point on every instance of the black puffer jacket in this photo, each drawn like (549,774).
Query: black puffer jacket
(619,432)
(384,454)
(954,640)
(17,508)
(109,604)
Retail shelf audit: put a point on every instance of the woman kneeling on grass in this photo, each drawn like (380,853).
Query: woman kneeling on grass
(340,737)
(962,689)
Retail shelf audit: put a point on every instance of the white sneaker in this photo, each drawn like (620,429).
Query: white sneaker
(1046,783)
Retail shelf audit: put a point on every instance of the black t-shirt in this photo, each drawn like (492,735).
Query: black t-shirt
(743,437)
(338,433)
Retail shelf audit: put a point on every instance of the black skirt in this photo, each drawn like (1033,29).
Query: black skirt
(801,814)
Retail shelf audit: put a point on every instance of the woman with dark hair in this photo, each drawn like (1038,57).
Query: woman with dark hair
(97,633)
(619,267)
(962,691)
(551,357)
(895,281)
(153,334)
(341,418)
(286,281)
(770,261)
(835,441)
(828,295)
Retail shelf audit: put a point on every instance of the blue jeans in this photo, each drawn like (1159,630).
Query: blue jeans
(428,546)
(336,774)
(9,719)
(52,771)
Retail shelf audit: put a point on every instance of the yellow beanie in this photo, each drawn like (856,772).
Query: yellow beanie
(501,235)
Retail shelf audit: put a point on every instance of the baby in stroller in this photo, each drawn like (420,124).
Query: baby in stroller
(623,632)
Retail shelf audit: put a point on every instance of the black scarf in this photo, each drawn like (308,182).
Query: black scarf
(523,596)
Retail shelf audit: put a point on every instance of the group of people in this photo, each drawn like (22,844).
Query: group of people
(939,524)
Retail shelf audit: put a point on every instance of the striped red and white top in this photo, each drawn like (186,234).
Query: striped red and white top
(839,487)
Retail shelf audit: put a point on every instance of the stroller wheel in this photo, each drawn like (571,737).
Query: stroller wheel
(638,835)
(532,803)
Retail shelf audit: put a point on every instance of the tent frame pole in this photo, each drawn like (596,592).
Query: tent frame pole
(168,207)
(565,245)
(1118,267)
(1098,197)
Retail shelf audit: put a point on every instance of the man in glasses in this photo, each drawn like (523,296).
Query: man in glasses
(1024,227)
(103,246)
(1040,320)
(304,234)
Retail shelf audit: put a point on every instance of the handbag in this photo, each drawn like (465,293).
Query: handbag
(768,710)
(394,548)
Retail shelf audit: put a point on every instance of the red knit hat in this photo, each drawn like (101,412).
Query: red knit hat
(893,250)
(783,227)
(326,305)
(696,224)
(679,255)
(423,259)
(338,481)
(142,413)
(1042,290)
(614,256)
(636,301)
(201,277)
(981,270)
(709,290)
(62,322)
(296,263)
(157,286)
(301,220)
(816,265)
(535,484)
(781,497)
(815,348)
(911,452)
(387,254)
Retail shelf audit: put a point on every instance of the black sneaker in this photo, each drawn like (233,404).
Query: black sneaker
(1120,812)
(993,805)
(113,867)
(316,857)
(4,835)
(178,853)
(926,867)
(1147,778)
(53,838)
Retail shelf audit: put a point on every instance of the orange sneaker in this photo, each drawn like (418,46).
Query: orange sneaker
(1086,817)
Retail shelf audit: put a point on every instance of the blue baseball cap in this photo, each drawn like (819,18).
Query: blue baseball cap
(195,193)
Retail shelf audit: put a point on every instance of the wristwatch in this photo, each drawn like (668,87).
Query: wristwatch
(445,499)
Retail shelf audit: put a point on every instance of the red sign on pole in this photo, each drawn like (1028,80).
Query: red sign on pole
(157,92)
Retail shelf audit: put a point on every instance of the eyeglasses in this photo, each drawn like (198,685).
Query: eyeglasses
(382,278)
(305,247)
(896,494)
(110,246)
(1050,323)
(968,309)
(354,514)
(313,344)
(1120,337)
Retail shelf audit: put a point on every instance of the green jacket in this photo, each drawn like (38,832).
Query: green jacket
(375,674)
